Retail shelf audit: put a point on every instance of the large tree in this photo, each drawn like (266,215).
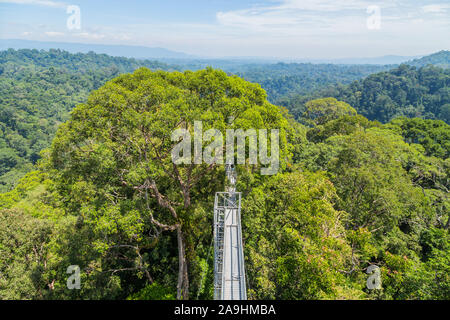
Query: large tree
(114,155)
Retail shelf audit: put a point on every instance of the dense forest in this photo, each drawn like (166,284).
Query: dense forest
(286,79)
(403,91)
(438,59)
(38,89)
(357,185)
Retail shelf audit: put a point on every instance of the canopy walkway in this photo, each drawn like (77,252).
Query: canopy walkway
(229,271)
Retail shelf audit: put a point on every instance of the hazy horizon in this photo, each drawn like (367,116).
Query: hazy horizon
(199,57)
(273,29)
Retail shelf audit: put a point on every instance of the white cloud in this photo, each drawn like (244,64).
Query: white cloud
(46,3)
(287,28)
(305,17)
(325,5)
(435,8)
(122,37)
(287,18)
(90,36)
(54,34)
(335,27)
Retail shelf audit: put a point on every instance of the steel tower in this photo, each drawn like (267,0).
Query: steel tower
(229,271)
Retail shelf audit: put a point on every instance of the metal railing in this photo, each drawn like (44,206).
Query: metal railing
(229,270)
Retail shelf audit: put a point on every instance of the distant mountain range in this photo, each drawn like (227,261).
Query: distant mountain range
(384,60)
(137,52)
(225,61)
(441,58)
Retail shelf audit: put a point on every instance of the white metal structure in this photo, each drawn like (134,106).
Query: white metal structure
(229,271)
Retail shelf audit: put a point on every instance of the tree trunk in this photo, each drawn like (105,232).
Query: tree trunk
(183,279)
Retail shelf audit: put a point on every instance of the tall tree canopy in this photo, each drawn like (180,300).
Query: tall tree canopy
(403,91)
(350,193)
(114,156)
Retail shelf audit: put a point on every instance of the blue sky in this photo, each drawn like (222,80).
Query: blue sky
(272,28)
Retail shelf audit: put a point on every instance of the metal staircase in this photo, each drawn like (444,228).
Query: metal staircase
(229,271)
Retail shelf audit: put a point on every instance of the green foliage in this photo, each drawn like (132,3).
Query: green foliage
(433,135)
(344,125)
(112,161)
(295,244)
(394,193)
(23,249)
(38,89)
(153,292)
(320,111)
(439,59)
(403,91)
(106,196)
(283,80)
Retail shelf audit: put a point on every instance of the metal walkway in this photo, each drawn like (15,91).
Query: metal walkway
(229,271)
